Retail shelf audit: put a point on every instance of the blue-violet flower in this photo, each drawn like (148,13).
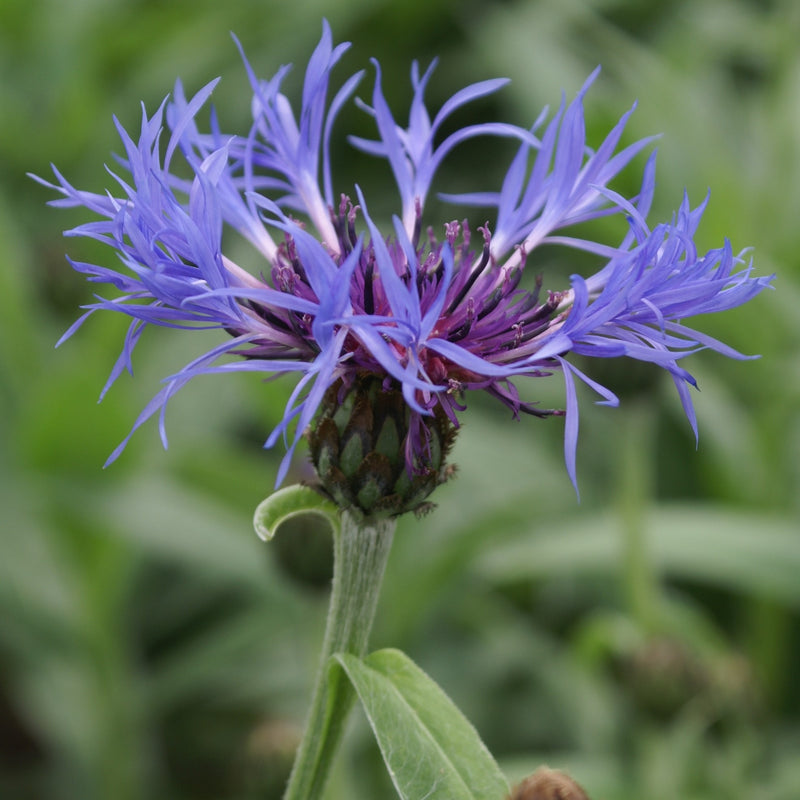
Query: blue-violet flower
(418,314)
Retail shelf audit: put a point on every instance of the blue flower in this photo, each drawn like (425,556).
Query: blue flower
(338,301)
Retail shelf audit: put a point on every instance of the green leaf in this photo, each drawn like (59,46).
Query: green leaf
(291,502)
(737,550)
(430,749)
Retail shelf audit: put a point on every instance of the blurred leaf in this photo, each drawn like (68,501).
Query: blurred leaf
(740,551)
(170,522)
(36,591)
(488,499)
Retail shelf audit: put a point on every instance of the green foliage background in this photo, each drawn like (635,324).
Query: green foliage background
(646,638)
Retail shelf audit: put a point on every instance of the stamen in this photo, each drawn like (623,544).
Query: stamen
(491,303)
(531,299)
(433,242)
(301,325)
(417,223)
(484,262)
(351,223)
(451,231)
(265,314)
(461,332)
(294,259)
(369,299)
(545,310)
(438,272)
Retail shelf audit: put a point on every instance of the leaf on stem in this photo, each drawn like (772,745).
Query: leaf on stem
(289,502)
(430,749)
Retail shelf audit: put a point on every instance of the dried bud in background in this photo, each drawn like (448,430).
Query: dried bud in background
(548,784)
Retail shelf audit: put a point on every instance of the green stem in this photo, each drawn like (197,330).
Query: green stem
(360,554)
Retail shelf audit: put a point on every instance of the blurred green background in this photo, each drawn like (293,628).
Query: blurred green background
(646,638)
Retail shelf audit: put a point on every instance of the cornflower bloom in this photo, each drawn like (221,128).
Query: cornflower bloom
(387,331)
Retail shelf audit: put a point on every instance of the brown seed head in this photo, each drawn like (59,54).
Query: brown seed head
(548,784)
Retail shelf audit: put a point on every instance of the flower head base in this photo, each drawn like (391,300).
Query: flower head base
(372,455)
(366,317)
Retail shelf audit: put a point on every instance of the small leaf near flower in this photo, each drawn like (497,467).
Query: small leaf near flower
(291,501)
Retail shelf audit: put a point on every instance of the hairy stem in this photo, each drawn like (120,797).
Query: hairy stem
(360,555)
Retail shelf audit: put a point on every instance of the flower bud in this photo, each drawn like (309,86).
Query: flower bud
(375,456)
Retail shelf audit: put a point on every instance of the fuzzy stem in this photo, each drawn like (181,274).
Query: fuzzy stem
(360,554)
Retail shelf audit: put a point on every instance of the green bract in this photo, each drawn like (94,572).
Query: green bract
(358,446)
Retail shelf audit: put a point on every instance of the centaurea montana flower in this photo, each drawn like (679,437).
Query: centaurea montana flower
(406,316)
